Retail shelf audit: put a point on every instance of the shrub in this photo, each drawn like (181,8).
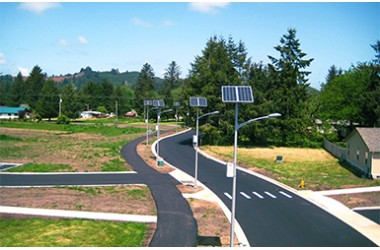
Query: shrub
(63,119)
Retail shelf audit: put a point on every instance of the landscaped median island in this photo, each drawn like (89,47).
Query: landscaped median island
(67,232)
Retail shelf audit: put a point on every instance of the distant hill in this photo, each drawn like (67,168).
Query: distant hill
(114,77)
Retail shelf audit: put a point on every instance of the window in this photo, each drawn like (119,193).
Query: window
(357,154)
(348,149)
(366,158)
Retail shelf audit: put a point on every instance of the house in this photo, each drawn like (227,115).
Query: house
(363,150)
(12,112)
(90,114)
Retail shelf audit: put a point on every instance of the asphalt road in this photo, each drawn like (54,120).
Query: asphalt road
(269,215)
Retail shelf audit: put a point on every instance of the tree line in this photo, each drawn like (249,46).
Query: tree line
(348,98)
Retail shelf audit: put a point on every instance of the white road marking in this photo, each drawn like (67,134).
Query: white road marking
(270,195)
(258,195)
(286,195)
(228,196)
(245,195)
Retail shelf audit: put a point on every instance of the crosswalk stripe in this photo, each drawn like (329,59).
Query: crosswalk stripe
(258,195)
(245,195)
(270,195)
(228,196)
(286,195)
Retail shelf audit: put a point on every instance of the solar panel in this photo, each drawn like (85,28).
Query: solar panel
(236,94)
(176,104)
(198,102)
(147,103)
(158,103)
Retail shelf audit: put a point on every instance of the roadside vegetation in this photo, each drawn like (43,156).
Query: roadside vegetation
(319,169)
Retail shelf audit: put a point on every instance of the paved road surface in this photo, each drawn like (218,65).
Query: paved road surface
(270,216)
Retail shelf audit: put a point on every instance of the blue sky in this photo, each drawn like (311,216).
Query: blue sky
(64,37)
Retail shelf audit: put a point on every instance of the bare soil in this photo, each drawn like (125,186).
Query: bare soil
(359,200)
(117,199)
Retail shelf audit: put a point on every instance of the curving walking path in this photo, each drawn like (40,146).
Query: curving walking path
(176,226)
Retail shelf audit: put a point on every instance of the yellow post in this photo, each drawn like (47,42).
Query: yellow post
(302,184)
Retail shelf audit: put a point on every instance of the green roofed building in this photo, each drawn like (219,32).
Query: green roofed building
(12,112)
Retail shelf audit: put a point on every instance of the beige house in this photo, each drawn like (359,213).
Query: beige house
(363,150)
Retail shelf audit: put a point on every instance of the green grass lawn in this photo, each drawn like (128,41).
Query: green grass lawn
(38,232)
(97,128)
(316,167)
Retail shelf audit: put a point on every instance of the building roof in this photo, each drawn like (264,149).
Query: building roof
(10,110)
(371,137)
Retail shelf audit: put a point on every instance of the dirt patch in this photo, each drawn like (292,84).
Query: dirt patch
(117,199)
(188,189)
(359,200)
(146,154)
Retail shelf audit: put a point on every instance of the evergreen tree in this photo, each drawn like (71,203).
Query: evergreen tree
(289,91)
(18,91)
(171,81)
(332,73)
(106,97)
(34,85)
(71,107)
(125,98)
(48,104)
(144,89)
(91,94)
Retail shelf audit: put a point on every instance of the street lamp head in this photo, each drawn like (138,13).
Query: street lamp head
(215,112)
(274,115)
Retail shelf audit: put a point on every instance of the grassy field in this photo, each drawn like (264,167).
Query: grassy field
(38,232)
(316,167)
(48,147)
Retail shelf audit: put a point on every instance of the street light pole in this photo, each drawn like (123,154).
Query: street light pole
(237,127)
(196,144)
(232,231)
(158,129)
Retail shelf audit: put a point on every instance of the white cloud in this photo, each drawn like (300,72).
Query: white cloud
(38,8)
(167,23)
(209,8)
(24,71)
(139,22)
(82,40)
(63,42)
(2,58)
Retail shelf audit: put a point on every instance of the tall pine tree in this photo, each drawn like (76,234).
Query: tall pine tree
(144,89)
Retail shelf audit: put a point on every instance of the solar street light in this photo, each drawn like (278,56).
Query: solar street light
(176,105)
(147,103)
(238,94)
(198,102)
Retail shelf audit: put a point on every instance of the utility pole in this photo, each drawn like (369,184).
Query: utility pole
(60,105)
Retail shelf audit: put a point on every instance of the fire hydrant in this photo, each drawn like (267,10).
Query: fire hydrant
(302,184)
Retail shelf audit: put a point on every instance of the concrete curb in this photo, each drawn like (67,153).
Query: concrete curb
(79,214)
